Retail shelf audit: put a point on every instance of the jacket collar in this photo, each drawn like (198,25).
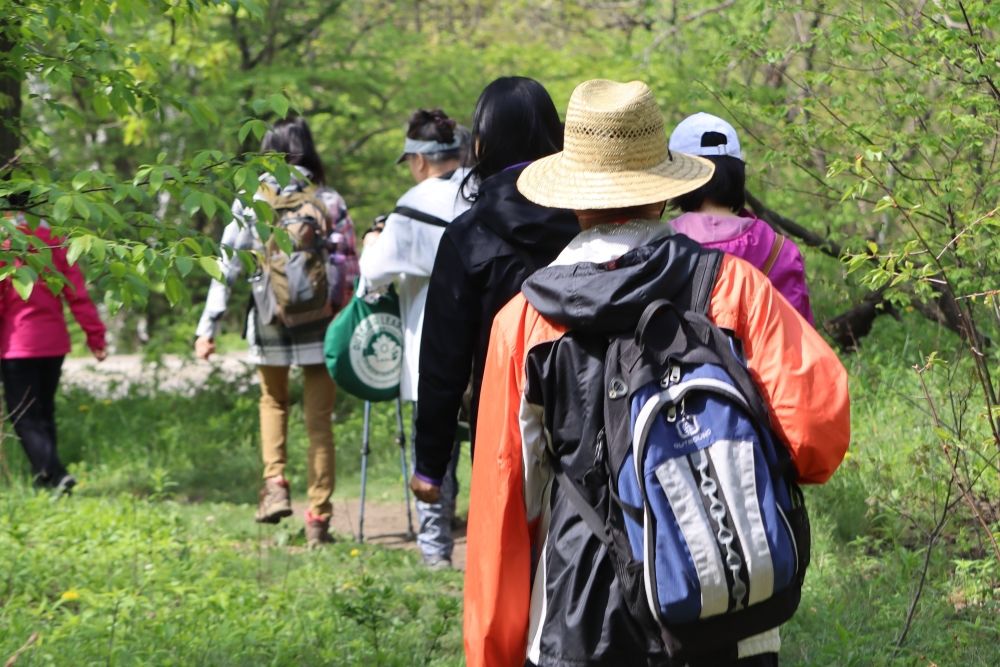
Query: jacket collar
(604,243)
(605,290)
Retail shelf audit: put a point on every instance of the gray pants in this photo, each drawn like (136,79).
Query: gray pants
(434,534)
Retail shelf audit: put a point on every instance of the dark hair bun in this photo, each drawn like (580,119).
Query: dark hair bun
(431,125)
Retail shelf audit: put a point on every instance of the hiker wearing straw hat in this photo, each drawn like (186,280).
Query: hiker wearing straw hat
(565,568)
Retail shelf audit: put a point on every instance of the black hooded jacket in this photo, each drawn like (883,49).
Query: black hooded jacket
(484,257)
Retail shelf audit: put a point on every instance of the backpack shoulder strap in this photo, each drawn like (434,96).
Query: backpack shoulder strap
(627,367)
(703,279)
(420,216)
(772,257)
(597,525)
(622,356)
(268,194)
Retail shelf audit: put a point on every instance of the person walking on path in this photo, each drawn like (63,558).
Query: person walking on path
(403,254)
(483,259)
(34,341)
(540,586)
(275,347)
(714,215)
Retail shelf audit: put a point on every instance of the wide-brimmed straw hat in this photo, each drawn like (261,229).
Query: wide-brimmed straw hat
(615,154)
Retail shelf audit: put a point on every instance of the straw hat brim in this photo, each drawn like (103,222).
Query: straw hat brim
(556,182)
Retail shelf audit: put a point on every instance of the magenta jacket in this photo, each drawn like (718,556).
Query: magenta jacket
(37,327)
(752,239)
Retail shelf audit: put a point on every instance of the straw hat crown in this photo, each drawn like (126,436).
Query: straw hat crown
(615,153)
(609,125)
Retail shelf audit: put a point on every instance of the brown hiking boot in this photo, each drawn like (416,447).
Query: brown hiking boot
(275,502)
(317,531)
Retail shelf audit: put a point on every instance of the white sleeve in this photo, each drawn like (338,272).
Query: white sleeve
(238,235)
(405,246)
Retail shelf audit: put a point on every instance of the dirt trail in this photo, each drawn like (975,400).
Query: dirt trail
(114,376)
(385,525)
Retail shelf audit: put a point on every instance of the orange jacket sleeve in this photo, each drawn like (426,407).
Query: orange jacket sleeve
(800,376)
(498,570)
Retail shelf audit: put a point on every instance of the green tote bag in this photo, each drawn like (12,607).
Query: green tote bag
(364,348)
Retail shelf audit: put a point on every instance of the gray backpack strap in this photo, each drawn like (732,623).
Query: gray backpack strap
(703,280)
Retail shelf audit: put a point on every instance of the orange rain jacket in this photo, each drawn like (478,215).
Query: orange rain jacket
(530,577)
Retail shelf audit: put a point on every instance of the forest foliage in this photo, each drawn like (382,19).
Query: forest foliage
(871,131)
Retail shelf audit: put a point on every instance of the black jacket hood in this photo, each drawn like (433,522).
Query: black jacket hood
(609,297)
(501,208)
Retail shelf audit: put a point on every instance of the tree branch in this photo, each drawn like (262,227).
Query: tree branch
(979,51)
(792,228)
(241,42)
(299,35)
(942,310)
(674,29)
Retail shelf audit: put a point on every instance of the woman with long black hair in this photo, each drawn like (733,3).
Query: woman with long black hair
(276,346)
(483,258)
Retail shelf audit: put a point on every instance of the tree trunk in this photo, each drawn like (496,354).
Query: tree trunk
(10,98)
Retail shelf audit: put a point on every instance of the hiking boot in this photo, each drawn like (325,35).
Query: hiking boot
(275,503)
(64,486)
(317,531)
(437,563)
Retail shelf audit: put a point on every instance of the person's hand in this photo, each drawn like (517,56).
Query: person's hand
(425,491)
(101,354)
(204,347)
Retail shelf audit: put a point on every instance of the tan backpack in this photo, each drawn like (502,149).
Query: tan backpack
(294,288)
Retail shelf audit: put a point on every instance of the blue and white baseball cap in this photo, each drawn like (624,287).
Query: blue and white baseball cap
(706,135)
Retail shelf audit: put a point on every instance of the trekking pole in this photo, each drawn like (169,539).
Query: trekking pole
(365,436)
(401,441)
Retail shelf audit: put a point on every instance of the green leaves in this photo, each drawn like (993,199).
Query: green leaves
(23,281)
(81,180)
(183,264)
(77,247)
(62,208)
(254,125)
(275,103)
(202,113)
(210,265)
(192,203)
(174,290)
(279,104)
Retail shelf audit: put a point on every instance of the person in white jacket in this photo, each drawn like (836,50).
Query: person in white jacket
(404,254)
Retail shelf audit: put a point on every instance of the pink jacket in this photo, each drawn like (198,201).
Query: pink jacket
(37,327)
(752,239)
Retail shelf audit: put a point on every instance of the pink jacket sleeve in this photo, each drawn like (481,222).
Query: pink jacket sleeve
(80,305)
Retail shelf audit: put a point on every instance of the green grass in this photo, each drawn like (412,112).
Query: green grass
(132,581)
(156,561)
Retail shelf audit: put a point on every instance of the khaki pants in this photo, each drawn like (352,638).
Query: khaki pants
(317,402)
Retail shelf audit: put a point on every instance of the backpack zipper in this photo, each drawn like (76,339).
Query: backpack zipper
(791,535)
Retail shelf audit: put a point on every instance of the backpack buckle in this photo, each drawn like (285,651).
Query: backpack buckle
(617,388)
(672,376)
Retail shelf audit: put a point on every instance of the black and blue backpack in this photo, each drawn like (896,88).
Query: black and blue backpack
(707,529)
